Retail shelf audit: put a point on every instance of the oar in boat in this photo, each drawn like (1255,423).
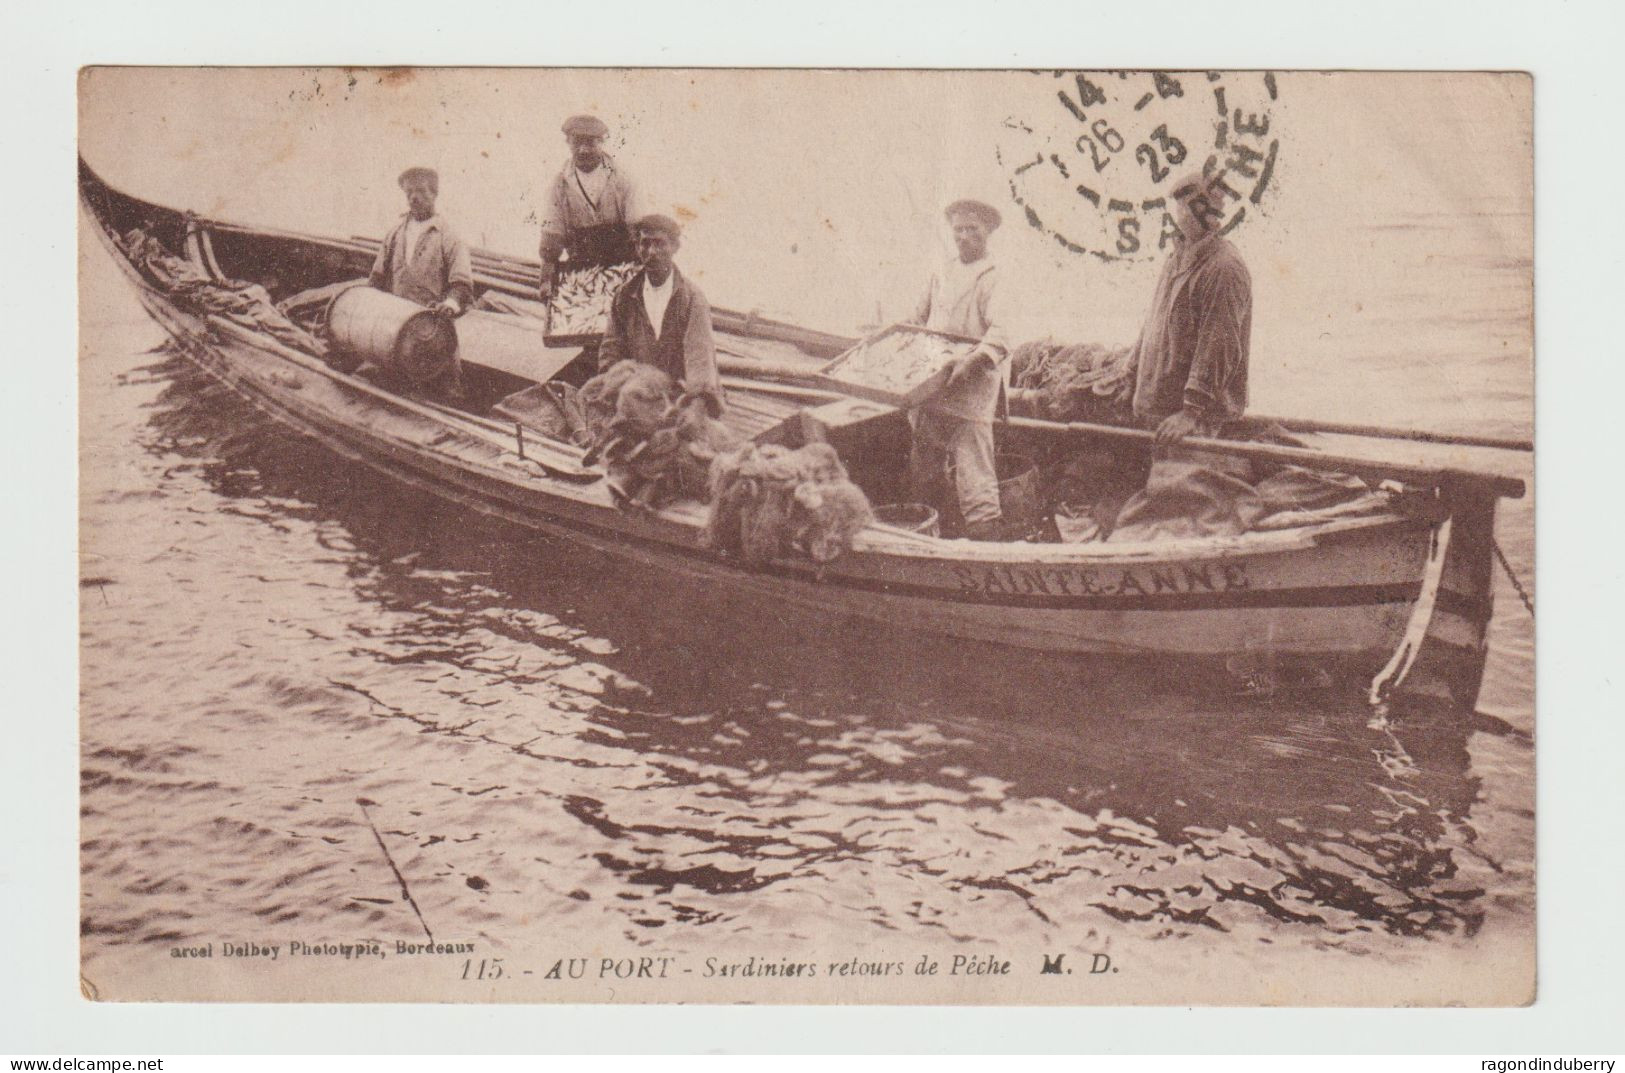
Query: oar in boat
(1297,424)
(1371,469)
(1368,468)
(741,364)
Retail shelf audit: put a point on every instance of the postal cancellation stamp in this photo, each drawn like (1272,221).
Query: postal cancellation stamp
(1092,161)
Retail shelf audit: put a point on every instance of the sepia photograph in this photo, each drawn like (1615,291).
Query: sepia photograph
(806,536)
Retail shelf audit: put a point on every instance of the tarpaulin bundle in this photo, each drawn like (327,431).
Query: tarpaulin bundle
(247,304)
(1194,493)
(1073,382)
(767,501)
(655,446)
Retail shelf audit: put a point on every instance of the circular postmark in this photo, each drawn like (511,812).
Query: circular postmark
(1094,162)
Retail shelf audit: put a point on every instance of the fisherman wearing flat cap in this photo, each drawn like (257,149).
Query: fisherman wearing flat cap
(422,259)
(590,204)
(660,318)
(953,430)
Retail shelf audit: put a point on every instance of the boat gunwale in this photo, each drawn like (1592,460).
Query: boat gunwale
(689,517)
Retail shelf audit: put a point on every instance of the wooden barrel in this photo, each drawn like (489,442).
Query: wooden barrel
(392,333)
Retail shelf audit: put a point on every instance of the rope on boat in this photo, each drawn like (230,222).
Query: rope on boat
(1512,577)
(1399,665)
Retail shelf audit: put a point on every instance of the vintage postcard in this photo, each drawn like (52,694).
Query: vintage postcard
(806,536)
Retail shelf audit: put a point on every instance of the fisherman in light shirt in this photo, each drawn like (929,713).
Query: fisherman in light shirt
(953,430)
(422,259)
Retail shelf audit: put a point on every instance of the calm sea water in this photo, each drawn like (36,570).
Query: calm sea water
(553,740)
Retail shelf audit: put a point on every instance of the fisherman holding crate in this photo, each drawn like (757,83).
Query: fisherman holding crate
(590,205)
(953,430)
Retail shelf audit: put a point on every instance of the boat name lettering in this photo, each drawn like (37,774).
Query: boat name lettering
(1034,580)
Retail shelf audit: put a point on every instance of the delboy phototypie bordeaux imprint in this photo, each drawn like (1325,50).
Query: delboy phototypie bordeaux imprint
(1092,162)
(992,537)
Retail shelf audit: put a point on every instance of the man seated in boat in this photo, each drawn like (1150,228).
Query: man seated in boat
(953,431)
(660,318)
(590,205)
(422,259)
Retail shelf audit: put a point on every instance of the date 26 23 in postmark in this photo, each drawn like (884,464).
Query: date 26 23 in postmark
(1094,165)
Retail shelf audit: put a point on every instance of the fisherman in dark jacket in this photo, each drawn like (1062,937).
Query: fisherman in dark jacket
(1191,356)
(659,318)
(1191,378)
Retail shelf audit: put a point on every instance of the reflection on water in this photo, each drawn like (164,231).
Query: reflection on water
(552,741)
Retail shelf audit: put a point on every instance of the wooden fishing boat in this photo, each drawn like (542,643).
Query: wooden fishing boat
(1360,592)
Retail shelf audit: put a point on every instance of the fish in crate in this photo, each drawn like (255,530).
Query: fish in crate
(578,307)
(903,365)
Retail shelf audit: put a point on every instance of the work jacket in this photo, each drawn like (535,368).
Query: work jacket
(684,349)
(1192,350)
(438,268)
(963,300)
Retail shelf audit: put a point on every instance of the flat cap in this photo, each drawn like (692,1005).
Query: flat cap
(429,175)
(656,222)
(585,126)
(980,209)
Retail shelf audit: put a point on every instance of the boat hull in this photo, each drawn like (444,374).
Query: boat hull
(1342,589)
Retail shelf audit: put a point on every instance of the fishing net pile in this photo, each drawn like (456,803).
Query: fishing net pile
(247,304)
(769,501)
(1073,382)
(655,443)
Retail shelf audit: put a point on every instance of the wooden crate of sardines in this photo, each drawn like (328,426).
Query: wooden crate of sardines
(578,308)
(904,364)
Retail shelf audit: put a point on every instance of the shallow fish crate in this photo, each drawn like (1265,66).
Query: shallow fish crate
(903,365)
(578,308)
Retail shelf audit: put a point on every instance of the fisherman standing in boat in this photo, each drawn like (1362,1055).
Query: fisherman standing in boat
(590,205)
(1191,360)
(1191,377)
(423,260)
(660,318)
(953,431)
